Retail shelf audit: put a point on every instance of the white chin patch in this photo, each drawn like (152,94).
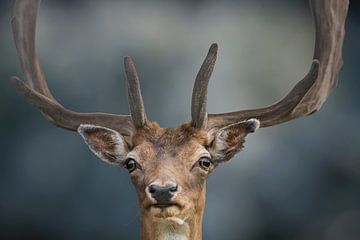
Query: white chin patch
(173,228)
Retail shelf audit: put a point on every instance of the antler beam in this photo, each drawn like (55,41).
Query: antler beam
(36,91)
(311,92)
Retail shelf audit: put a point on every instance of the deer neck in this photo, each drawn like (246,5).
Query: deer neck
(174,228)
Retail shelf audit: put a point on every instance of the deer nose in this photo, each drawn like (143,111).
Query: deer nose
(162,194)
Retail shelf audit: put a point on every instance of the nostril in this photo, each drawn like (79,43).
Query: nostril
(173,188)
(152,189)
(162,193)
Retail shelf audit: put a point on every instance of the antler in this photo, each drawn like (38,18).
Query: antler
(311,92)
(199,96)
(36,91)
(136,102)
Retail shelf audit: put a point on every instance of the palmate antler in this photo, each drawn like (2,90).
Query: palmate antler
(308,95)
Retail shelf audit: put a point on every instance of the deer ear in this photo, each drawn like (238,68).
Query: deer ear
(229,140)
(105,143)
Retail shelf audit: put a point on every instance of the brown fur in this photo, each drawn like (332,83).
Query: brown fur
(163,137)
(171,155)
(101,140)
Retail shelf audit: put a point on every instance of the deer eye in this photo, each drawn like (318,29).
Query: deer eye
(130,165)
(205,163)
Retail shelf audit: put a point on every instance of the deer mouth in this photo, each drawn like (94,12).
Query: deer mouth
(164,205)
(166,210)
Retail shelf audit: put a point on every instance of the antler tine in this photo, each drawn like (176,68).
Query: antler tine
(136,102)
(310,93)
(199,95)
(35,88)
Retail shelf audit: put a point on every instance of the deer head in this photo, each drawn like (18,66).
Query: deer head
(169,166)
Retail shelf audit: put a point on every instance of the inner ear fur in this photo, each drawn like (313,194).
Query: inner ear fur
(229,140)
(107,144)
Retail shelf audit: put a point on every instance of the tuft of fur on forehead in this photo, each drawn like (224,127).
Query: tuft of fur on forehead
(164,137)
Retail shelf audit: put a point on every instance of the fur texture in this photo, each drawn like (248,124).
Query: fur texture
(105,143)
(170,155)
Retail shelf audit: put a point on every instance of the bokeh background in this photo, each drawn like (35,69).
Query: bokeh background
(295,181)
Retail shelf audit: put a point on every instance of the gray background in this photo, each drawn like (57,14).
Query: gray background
(298,180)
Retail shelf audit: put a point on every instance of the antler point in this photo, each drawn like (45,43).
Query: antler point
(213,48)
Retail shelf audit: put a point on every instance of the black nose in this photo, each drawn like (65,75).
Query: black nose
(162,194)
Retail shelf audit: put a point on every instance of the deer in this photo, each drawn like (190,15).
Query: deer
(169,166)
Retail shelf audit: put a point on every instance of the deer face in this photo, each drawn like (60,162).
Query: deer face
(169,167)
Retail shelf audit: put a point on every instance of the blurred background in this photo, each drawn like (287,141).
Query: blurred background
(295,181)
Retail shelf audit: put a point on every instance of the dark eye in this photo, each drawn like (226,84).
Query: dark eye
(205,163)
(130,165)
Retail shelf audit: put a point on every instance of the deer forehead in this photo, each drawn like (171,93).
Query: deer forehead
(153,143)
